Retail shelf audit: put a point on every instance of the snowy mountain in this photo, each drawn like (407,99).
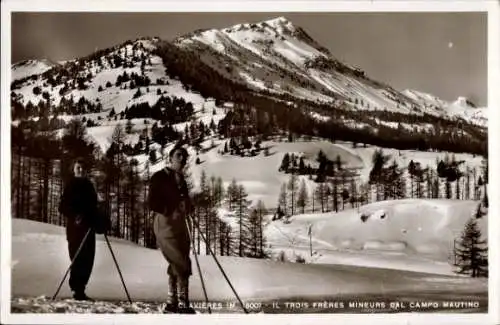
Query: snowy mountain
(462,107)
(277,57)
(28,68)
(262,64)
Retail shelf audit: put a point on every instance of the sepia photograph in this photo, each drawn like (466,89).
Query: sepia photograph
(246,162)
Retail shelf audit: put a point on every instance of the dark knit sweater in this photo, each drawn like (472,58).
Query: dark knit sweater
(79,199)
(165,194)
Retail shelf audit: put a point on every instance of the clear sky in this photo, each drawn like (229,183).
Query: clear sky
(441,53)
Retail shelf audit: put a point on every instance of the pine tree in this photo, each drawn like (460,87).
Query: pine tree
(302,166)
(132,193)
(219,191)
(377,175)
(292,188)
(320,195)
(282,201)
(334,192)
(285,163)
(411,171)
(303,197)
(393,181)
(204,205)
(354,194)
(152,156)
(261,211)
(471,252)
(231,193)
(117,165)
(242,215)
(253,220)
(428,179)
(128,126)
(467,184)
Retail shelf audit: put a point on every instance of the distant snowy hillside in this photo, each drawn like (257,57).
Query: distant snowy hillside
(28,68)
(263,181)
(461,107)
(410,234)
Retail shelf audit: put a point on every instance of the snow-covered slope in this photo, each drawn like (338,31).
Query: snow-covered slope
(465,109)
(274,57)
(39,260)
(410,234)
(28,68)
(262,179)
(461,107)
(100,73)
(280,58)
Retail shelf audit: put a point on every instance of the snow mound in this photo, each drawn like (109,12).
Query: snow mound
(421,231)
(381,246)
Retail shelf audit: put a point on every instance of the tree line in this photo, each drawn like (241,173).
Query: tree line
(334,186)
(41,166)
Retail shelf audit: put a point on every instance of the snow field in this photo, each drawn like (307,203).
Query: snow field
(408,234)
(39,255)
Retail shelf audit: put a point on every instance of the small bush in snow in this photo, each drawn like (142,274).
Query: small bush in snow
(300,259)
(282,257)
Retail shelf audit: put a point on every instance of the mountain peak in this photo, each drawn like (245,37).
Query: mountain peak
(34,62)
(281,19)
(26,68)
(280,24)
(464,102)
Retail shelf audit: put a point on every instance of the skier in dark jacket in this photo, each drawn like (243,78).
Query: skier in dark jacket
(79,206)
(170,203)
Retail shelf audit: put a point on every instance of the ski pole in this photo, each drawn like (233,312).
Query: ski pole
(117,267)
(191,238)
(72,262)
(220,266)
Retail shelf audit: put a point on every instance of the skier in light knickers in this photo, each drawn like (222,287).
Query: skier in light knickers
(170,203)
